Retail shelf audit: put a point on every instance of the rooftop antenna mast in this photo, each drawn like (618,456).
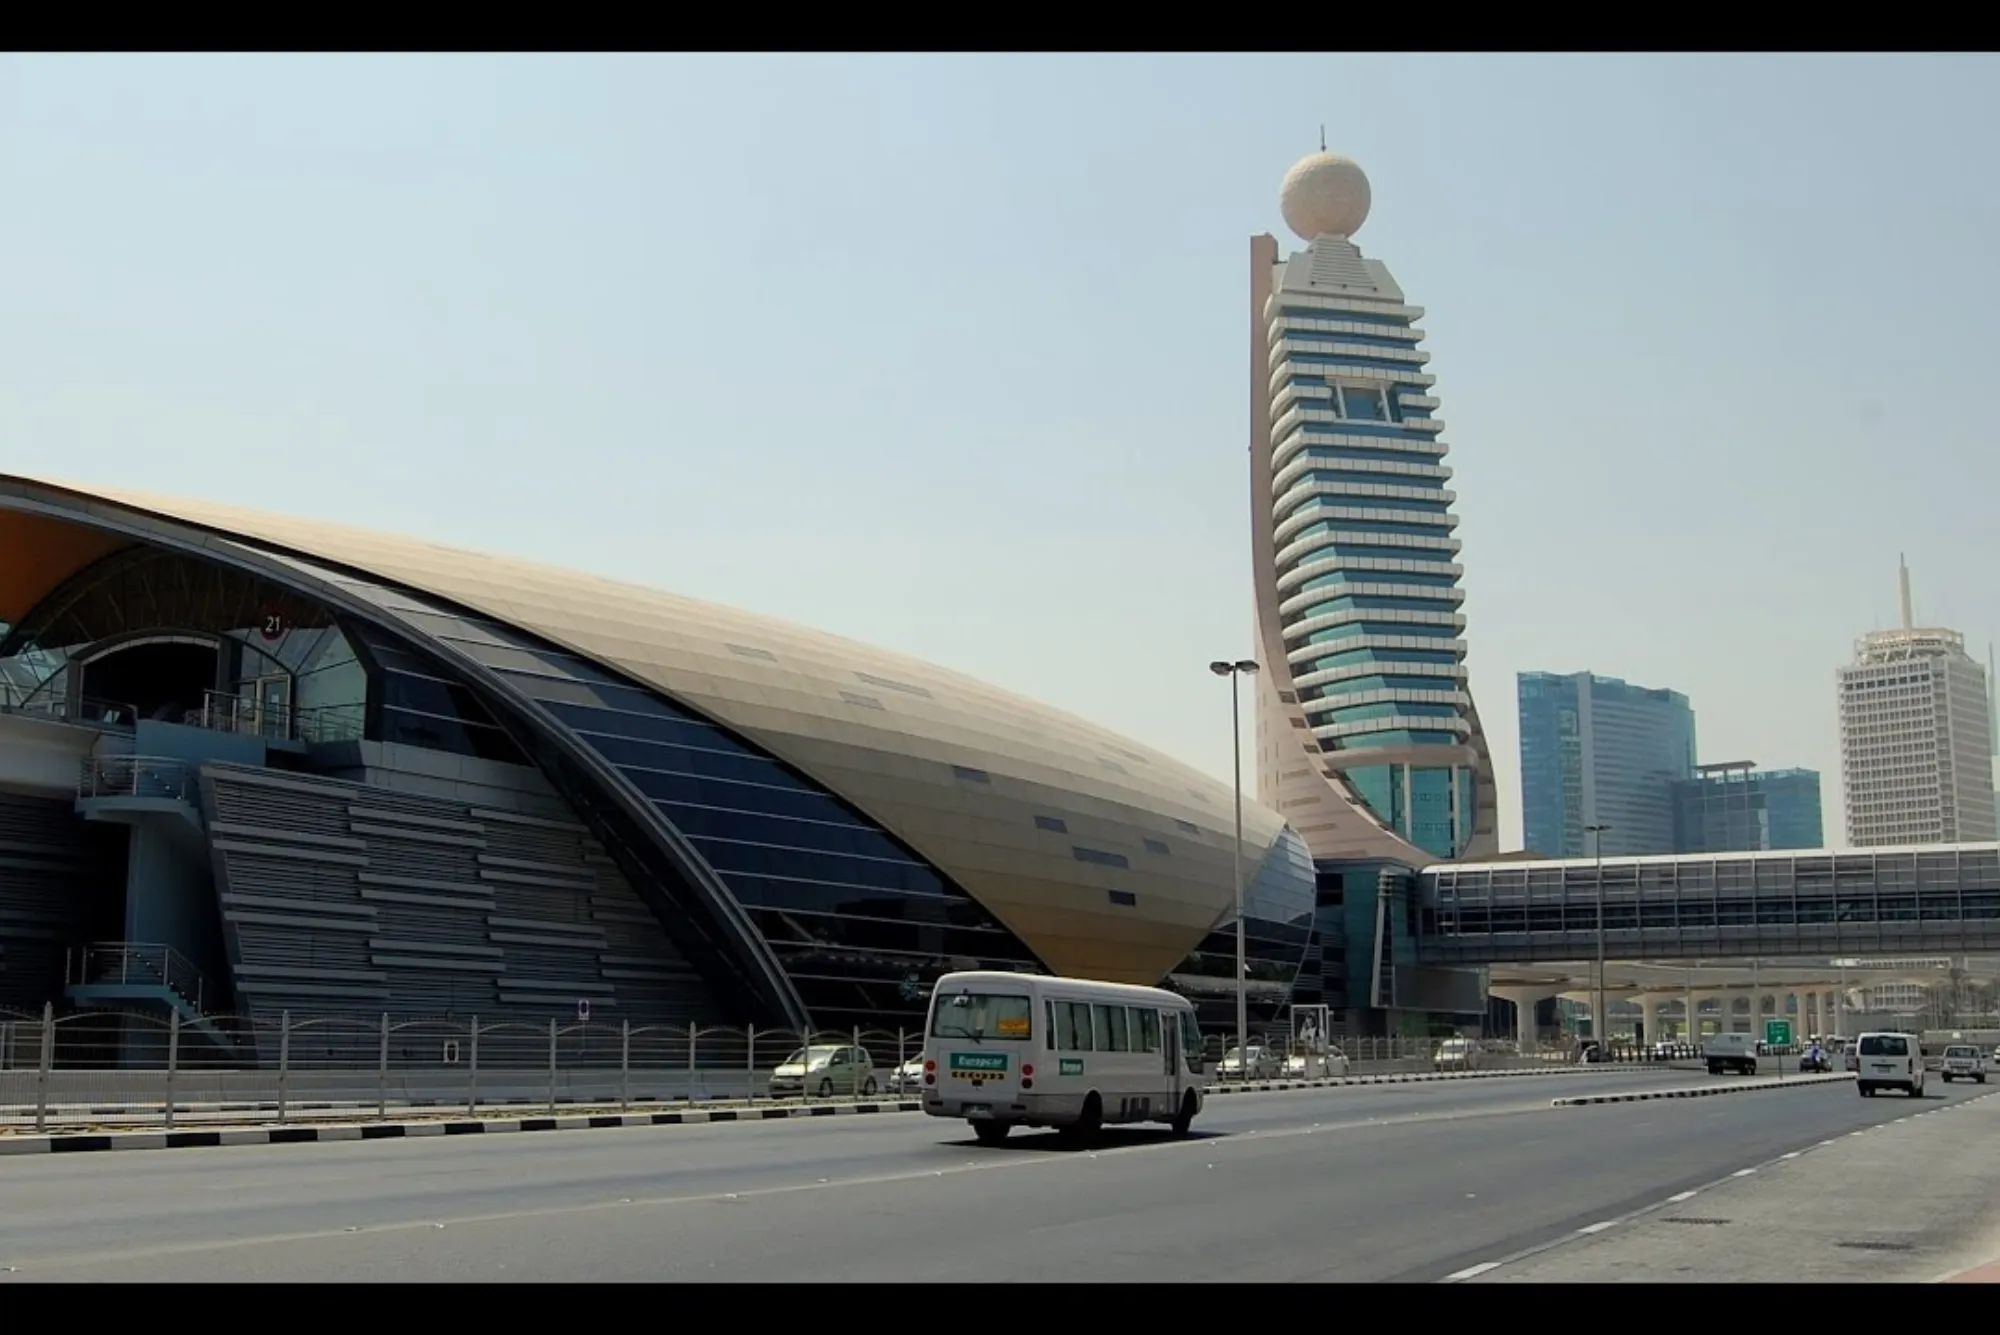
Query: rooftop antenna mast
(1903,582)
(1322,137)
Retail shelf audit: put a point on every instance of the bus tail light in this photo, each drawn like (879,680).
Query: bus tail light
(1027,1070)
(1027,1083)
(930,1073)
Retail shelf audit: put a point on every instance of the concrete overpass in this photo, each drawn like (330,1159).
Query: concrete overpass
(1720,995)
(1934,900)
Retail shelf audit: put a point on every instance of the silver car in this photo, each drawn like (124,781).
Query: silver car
(824,1070)
(1260,1064)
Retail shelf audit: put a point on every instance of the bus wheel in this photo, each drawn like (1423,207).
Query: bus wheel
(991,1133)
(1185,1117)
(1087,1125)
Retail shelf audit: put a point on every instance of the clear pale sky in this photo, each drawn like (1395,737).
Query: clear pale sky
(950,354)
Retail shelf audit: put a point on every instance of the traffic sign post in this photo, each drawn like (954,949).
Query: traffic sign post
(1778,1033)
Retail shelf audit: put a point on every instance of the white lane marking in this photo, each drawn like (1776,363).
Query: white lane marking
(1678,1197)
(1793,1155)
(1471,1270)
(1597,1227)
(1829,1142)
(1743,1172)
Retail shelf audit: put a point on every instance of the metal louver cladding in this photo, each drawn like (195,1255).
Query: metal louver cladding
(848,913)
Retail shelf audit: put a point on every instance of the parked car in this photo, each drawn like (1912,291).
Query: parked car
(823,1071)
(1260,1064)
(909,1076)
(1300,1066)
(1456,1054)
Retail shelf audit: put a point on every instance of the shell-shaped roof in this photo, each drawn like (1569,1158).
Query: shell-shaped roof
(958,769)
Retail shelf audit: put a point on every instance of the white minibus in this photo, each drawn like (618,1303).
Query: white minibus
(1013,1049)
(1889,1061)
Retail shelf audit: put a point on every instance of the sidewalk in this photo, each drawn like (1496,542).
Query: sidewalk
(1907,1201)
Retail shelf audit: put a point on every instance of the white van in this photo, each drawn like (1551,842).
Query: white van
(1013,1049)
(1889,1061)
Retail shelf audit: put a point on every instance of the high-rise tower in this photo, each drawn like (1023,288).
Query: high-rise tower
(1367,737)
(1916,737)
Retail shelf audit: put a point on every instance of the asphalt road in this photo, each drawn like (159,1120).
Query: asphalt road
(1373,1183)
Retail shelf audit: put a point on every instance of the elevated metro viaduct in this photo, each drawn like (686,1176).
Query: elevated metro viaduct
(1941,899)
(1682,1000)
(1534,923)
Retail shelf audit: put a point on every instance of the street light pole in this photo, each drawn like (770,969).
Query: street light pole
(1600,1023)
(1239,668)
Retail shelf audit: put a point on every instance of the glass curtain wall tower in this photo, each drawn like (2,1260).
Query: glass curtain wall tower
(1367,736)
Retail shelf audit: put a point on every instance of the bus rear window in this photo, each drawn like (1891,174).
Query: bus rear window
(981,1016)
(1885,1045)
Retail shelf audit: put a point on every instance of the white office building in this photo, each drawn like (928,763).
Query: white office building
(1916,735)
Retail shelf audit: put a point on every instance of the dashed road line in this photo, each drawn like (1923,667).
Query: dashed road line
(1678,1198)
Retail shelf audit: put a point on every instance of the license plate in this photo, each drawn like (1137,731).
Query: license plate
(977,1110)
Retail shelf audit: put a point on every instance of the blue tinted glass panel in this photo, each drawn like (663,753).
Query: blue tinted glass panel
(1278,913)
(861,925)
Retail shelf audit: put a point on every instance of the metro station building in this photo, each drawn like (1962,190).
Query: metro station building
(251,764)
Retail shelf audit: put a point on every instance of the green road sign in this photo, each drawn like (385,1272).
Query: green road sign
(1778,1033)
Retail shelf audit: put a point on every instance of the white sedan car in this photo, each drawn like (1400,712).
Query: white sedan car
(1299,1066)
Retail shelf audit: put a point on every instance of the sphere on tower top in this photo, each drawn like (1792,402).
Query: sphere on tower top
(1324,195)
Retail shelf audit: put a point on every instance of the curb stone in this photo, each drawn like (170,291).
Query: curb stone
(1753,1087)
(310,1135)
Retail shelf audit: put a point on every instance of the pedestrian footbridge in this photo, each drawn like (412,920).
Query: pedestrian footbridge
(1938,899)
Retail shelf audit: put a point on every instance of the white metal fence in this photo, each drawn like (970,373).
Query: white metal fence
(105,1068)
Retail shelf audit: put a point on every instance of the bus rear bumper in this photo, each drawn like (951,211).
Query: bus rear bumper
(1017,1109)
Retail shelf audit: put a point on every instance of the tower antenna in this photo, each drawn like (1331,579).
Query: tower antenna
(1322,137)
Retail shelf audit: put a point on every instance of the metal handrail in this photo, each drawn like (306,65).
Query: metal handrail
(137,776)
(87,709)
(128,962)
(226,711)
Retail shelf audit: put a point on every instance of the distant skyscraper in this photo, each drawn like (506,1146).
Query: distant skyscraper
(1736,808)
(1367,738)
(1916,738)
(1599,751)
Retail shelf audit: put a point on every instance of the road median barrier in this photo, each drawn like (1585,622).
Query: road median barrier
(1407,1078)
(1703,1091)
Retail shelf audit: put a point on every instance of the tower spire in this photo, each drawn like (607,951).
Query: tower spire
(1903,583)
(1322,137)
